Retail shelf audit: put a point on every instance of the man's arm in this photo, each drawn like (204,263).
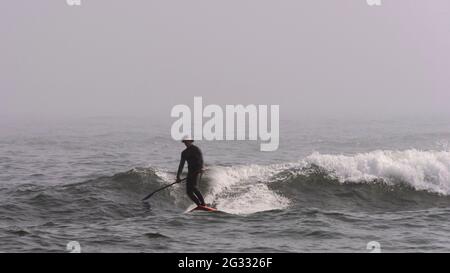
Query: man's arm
(180,168)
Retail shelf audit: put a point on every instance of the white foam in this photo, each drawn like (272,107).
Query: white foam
(423,170)
(244,189)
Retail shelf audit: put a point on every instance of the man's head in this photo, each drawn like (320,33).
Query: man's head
(187,140)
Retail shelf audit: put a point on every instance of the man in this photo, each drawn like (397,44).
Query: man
(193,155)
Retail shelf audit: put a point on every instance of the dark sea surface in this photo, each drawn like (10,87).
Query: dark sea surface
(332,186)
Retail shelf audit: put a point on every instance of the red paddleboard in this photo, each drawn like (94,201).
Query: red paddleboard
(204,208)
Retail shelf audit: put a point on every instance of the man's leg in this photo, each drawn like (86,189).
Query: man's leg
(199,195)
(190,190)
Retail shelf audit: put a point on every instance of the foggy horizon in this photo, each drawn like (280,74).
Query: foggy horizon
(140,58)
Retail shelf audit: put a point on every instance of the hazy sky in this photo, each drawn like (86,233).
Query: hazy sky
(315,57)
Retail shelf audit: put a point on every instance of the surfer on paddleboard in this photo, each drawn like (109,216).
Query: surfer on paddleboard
(193,155)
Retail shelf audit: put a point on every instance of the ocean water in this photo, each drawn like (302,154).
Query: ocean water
(332,186)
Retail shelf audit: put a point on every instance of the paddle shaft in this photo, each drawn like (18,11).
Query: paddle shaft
(150,195)
(165,187)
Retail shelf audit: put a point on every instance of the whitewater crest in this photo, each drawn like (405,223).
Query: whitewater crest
(421,170)
(246,189)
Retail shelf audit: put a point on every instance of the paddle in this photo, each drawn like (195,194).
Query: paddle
(150,195)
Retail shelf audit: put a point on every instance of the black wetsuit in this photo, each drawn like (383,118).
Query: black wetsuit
(193,156)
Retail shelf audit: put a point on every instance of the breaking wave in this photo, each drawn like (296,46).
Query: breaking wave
(378,179)
(421,170)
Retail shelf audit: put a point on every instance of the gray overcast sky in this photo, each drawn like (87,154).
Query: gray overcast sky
(315,57)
